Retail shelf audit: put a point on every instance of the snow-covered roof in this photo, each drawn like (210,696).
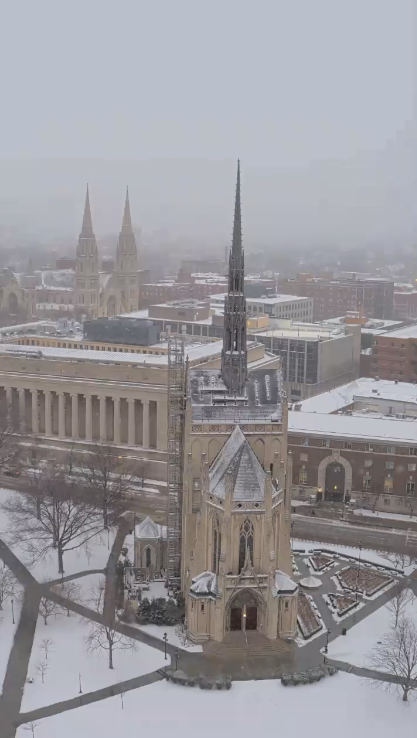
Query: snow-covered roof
(284,583)
(237,459)
(380,428)
(149,530)
(340,397)
(310,582)
(204,584)
(408,331)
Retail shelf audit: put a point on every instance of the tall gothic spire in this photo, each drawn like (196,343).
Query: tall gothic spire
(234,358)
(127,220)
(87,227)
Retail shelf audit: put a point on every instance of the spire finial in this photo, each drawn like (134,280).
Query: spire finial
(127,220)
(237,222)
(87,227)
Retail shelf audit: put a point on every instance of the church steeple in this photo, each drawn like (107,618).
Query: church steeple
(234,357)
(86,268)
(87,226)
(127,264)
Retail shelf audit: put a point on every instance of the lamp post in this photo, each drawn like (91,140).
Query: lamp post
(165,638)
(177,653)
(359,568)
(79,683)
(326,648)
(291,534)
(13,620)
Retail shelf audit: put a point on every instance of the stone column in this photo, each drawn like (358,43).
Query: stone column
(88,418)
(145,435)
(22,413)
(116,420)
(61,414)
(74,416)
(9,404)
(35,415)
(161,424)
(102,418)
(131,422)
(48,414)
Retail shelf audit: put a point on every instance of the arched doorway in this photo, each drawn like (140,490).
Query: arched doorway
(244,611)
(335,482)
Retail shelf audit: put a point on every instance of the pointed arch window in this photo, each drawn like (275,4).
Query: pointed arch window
(217,544)
(245,542)
(148,557)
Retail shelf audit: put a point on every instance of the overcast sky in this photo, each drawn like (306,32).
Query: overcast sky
(317,97)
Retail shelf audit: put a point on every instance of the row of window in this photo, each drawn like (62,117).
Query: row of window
(325,443)
(368,463)
(366,483)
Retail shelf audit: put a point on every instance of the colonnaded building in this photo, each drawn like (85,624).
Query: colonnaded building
(236,554)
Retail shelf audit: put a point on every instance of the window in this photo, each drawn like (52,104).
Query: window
(410,487)
(369,447)
(148,557)
(390,449)
(325,443)
(368,462)
(245,542)
(217,544)
(305,441)
(303,457)
(192,604)
(413,451)
(348,444)
(367,482)
(302,479)
(412,467)
(387,501)
(202,607)
(388,483)
(286,605)
(390,465)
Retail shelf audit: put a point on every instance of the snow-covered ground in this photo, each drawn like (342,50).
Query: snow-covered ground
(173,639)
(7,631)
(374,557)
(356,645)
(94,555)
(389,516)
(68,658)
(342,706)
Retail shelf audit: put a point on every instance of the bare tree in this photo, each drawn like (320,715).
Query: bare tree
(32,726)
(402,596)
(48,608)
(42,668)
(46,646)
(71,591)
(106,478)
(396,654)
(7,584)
(401,561)
(103,638)
(411,503)
(58,516)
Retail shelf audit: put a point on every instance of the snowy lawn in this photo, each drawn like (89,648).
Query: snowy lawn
(374,557)
(342,706)
(94,555)
(7,631)
(389,516)
(158,632)
(68,658)
(356,645)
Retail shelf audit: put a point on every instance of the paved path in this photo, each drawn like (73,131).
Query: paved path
(111,569)
(89,697)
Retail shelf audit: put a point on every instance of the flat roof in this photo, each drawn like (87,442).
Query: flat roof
(312,334)
(263,300)
(350,426)
(408,331)
(338,398)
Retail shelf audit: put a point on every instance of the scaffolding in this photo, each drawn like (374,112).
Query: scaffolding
(176,417)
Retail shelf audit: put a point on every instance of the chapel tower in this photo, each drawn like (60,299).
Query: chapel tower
(126,265)
(86,267)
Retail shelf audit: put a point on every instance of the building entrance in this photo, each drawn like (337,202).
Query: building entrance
(244,618)
(335,482)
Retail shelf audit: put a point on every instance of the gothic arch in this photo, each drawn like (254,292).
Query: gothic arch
(213,449)
(259,448)
(335,457)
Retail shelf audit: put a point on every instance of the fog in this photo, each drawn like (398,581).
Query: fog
(317,98)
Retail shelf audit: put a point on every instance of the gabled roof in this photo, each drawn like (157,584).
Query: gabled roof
(237,458)
(283,583)
(148,529)
(204,584)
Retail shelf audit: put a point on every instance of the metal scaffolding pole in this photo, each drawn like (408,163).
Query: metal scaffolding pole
(176,417)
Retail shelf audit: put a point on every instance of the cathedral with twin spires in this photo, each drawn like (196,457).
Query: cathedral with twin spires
(236,519)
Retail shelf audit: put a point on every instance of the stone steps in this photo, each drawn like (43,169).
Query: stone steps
(255,645)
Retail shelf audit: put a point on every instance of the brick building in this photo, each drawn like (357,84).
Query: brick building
(373,298)
(405,302)
(359,441)
(394,355)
